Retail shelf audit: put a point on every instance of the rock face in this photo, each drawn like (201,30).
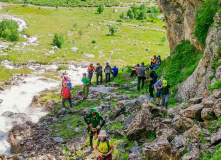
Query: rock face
(180,18)
(199,80)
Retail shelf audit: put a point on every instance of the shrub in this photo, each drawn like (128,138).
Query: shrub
(211,77)
(204,18)
(100,9)
(93,41)
(62,67)
(58,40)
(80,33)
(130,14)
(143,6)
(153,10)
(215,64)
(216,85)
(113,30)
(142,15)
(9,30)
(122,16)
(184,56)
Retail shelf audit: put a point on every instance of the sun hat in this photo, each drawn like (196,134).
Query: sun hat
(102,133)
(164,83)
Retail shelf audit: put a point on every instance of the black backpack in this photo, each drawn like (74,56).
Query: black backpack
(155,77)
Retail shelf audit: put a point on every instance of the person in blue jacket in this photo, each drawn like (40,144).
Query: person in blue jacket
(114,71)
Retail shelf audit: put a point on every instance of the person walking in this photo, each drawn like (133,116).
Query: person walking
(165,93)
(134,70)
(103,146)
(152,80)
(114,71)
(66,95)
(86,83)
(95,122)
(141,72)
(158,89)
(107,71)
(90,71)
(99,71)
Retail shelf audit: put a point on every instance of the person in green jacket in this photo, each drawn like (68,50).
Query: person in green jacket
(95,122)
(86,83)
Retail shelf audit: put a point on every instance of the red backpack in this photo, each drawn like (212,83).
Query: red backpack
(66,92)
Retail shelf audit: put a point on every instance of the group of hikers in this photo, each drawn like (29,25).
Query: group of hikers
(103,146)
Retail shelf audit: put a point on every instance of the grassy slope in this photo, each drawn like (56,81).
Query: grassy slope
(46,22)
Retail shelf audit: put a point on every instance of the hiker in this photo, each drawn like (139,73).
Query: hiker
(66,94)
(103,146)
(68,80)
(141,72)
(90,71)
(152,80)
(86,83)
(99,71)
(134,70)
(107,70)
(114,71)
(154,62)
(95,122)
(165,93)
(158,60)
(158,89)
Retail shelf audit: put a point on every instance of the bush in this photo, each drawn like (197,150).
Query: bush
(215,64)
(62,67)
(142,15)
(153,10)
(219,51)
(58,40)
(9,30)
(93,41)
(100,9)
(122,16)
(130,14)
(113,30)
(204,18)
(143,6)
(185,58)
(216,85)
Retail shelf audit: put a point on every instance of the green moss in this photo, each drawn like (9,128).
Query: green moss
(204,18)
(151,136)
(216,85)
(211,77)
(215,64)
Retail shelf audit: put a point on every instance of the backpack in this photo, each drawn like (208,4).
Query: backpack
(100,70)
(106,140)
(66,92)
(108,69)
(154,77)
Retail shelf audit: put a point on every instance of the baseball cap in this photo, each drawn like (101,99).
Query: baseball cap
(164,83)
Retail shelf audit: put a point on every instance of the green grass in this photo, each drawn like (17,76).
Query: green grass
(62,67)
(88,104)
(46,22)
(216,85)
(6,74)
(204,18)
(215,64)
(49,97)
(151,136)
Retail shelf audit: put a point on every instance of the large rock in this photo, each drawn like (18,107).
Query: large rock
(193,155)
(51,104)
(207,114)
(1,100)
(179,141)
(217,93)
(134,156)
(1,88)
(159,149)
(193,132)
(216,137)
(217,108)
(183,124)
(141,125)
(208,104)
(199,80)
(129,120)
(193,111)
(118,109)
(195,100)
(163,129)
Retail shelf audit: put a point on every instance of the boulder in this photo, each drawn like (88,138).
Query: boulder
(1,100)
(35,98)
(179,141)
(143,98)
(163,129)
(217,93)
(193,111)
(51,104)
(159,149)
(1,88)
(15,146)
(195,100)
(193,132)
(74,49)
(216,137)
(217,108)
(207,114)
(192,155)
(208,104)
(141,125)
(135,149)
(129,120)
(134,156)
(121,118)
(113,84)
(118,109)
(183,124)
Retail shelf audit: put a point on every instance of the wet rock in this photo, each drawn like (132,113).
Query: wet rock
(207,114)
(216,137)
(193,132)
(183,124)
(141,125)
(208,104)
(135,149)
(217,93)
(179,141)
(193,155)
(195,100)
(193,111)
(159,149)
(129,120)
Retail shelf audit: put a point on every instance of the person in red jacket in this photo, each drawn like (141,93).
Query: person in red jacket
(66,94)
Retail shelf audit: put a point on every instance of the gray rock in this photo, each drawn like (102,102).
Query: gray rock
(179,141)
(207,114)
(216,137)
(208,104)
(183,124)
(193,155)
(113,84)
(129,120)
(195,100)
(142,98)
(217,93)
(135,149)
(193,111)
(134,156)
(58,139)
(193,132)
(1,88)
